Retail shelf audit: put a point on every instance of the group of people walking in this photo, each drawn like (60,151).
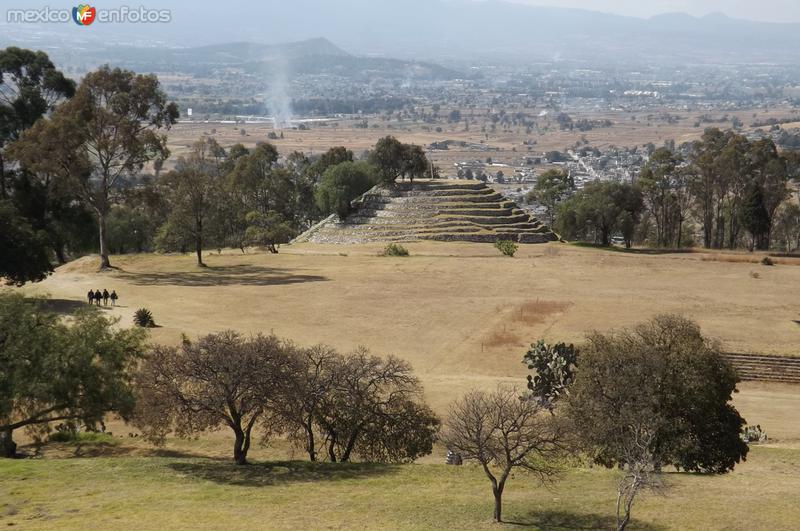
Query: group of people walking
(97,296)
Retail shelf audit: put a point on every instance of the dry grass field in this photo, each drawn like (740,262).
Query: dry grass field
(463,315)
(629,129)
(460,313)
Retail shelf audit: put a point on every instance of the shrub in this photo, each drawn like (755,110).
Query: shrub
(767,261)
(394,249)
(144,318)
(69,436)
(508,248)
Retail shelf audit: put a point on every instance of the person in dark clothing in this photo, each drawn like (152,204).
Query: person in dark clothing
(114,297)
(90,296)
(105,297)
(98,295)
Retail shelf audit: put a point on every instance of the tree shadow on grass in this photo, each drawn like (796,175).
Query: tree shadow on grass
(635,250)
(244,275)
(552,520)
(64,306)
(275,473)
(112,448)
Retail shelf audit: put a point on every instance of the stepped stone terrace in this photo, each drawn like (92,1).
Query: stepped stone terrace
(441,210)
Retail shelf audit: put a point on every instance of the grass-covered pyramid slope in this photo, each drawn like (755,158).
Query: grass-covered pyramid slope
(432,210)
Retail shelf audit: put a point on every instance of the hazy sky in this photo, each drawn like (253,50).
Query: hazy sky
(763,10)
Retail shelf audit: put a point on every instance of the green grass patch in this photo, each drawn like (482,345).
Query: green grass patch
(172,493)
(80,437)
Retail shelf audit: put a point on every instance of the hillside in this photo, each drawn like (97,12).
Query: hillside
(432,210)
(437,30)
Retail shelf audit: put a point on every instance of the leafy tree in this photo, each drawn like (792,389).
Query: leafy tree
(659,392)
(550,189)
(771,171)
(268,230)
(392,159)
(105,133)
(725,168)
(597,211)
(341,184)
(30,85)
(264,186)
(51,371)
(55,211)
(192,192)
(755,218)
(787,228)
(130,230)
(388,158)
(23,251)
(333,157)
(655,395)
(708,184)
(415,164)
(664,192)
(220,380)
(502,431)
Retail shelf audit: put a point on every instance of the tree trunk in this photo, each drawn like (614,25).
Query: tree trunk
(240,446)
(61,255)
(351,443)
(332,450)
(198,242)
(105,263)
(3,192)
(310,443)
(497,515)
(8,448)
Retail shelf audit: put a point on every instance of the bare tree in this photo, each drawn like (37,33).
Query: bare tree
(220,380)
(374,410)
(640,471)
(309,387)
(503,431)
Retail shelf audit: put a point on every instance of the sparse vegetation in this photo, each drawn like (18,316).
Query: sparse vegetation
(508,248)
(341,436)
(394,249)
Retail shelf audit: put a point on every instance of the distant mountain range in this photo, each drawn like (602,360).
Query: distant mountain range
(436,30)
(314,56)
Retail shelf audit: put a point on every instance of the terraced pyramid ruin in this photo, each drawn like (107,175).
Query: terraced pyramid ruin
(431,210)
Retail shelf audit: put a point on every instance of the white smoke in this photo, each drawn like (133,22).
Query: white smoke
(278,102)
